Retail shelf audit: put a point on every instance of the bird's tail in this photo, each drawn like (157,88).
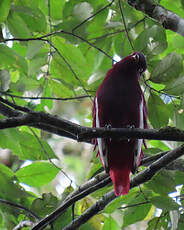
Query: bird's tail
(121,181)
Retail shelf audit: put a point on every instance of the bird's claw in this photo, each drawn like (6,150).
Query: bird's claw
(130,127)
(108,126)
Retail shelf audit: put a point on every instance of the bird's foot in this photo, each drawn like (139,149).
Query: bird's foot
(130,127)
(108,127)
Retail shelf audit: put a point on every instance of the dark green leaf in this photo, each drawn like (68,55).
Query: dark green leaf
(33,48)
(164,202)
(152,40)
(45,205)
(9,189)
(137,212)
(14,22)
(176,87)
(162,183)
(10,59)
(33,18)
(168,69)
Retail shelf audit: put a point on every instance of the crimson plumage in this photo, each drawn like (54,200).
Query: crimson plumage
(120,103)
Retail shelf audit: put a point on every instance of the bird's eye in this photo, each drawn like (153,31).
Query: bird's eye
(136,57)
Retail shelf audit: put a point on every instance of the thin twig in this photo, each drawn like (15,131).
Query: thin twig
(31,213)
(47,155)
(126,30)
(47,98)
(87,19)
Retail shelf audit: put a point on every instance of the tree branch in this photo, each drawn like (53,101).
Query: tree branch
(74,131)
(167,18)
(141,178)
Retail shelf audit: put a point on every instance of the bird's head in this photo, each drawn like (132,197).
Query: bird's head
(139,61)
(135,62)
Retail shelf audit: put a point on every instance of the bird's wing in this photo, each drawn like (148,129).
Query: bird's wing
(102,149)
(139,142)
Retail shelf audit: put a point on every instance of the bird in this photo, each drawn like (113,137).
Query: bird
(120,103)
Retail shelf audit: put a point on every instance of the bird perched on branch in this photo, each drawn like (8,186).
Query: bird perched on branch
(120,103)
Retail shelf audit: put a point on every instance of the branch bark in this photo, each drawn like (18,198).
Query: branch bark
(167,18)
(141,178)
(63,127)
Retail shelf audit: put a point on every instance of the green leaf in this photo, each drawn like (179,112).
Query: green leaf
(164,202)
(34,19)
(37,174)
(74,60)
(10,59)
(4,9)
(9,189)
(178,41)
(179,177)
(32,149)
(110,224)
(8,138)
(45,205)
(56,9)
(158,223)
(152,40)
(33,48)
(36,63)
(136,213)
(14,22)
(176,87)
(82,11)
(162,183)
(167,69)
(121,200)
(158,112)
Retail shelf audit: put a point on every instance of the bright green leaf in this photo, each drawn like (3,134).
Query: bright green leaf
(4,9)
(37,174)
(158,112)
(110,224)
(56,8)
(9,58)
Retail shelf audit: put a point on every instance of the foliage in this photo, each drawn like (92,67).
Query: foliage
(61,49)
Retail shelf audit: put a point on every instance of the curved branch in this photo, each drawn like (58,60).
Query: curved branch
(31,213)
(142,177)
(167,18)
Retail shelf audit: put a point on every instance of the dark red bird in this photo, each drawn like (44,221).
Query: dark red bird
(120,103)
